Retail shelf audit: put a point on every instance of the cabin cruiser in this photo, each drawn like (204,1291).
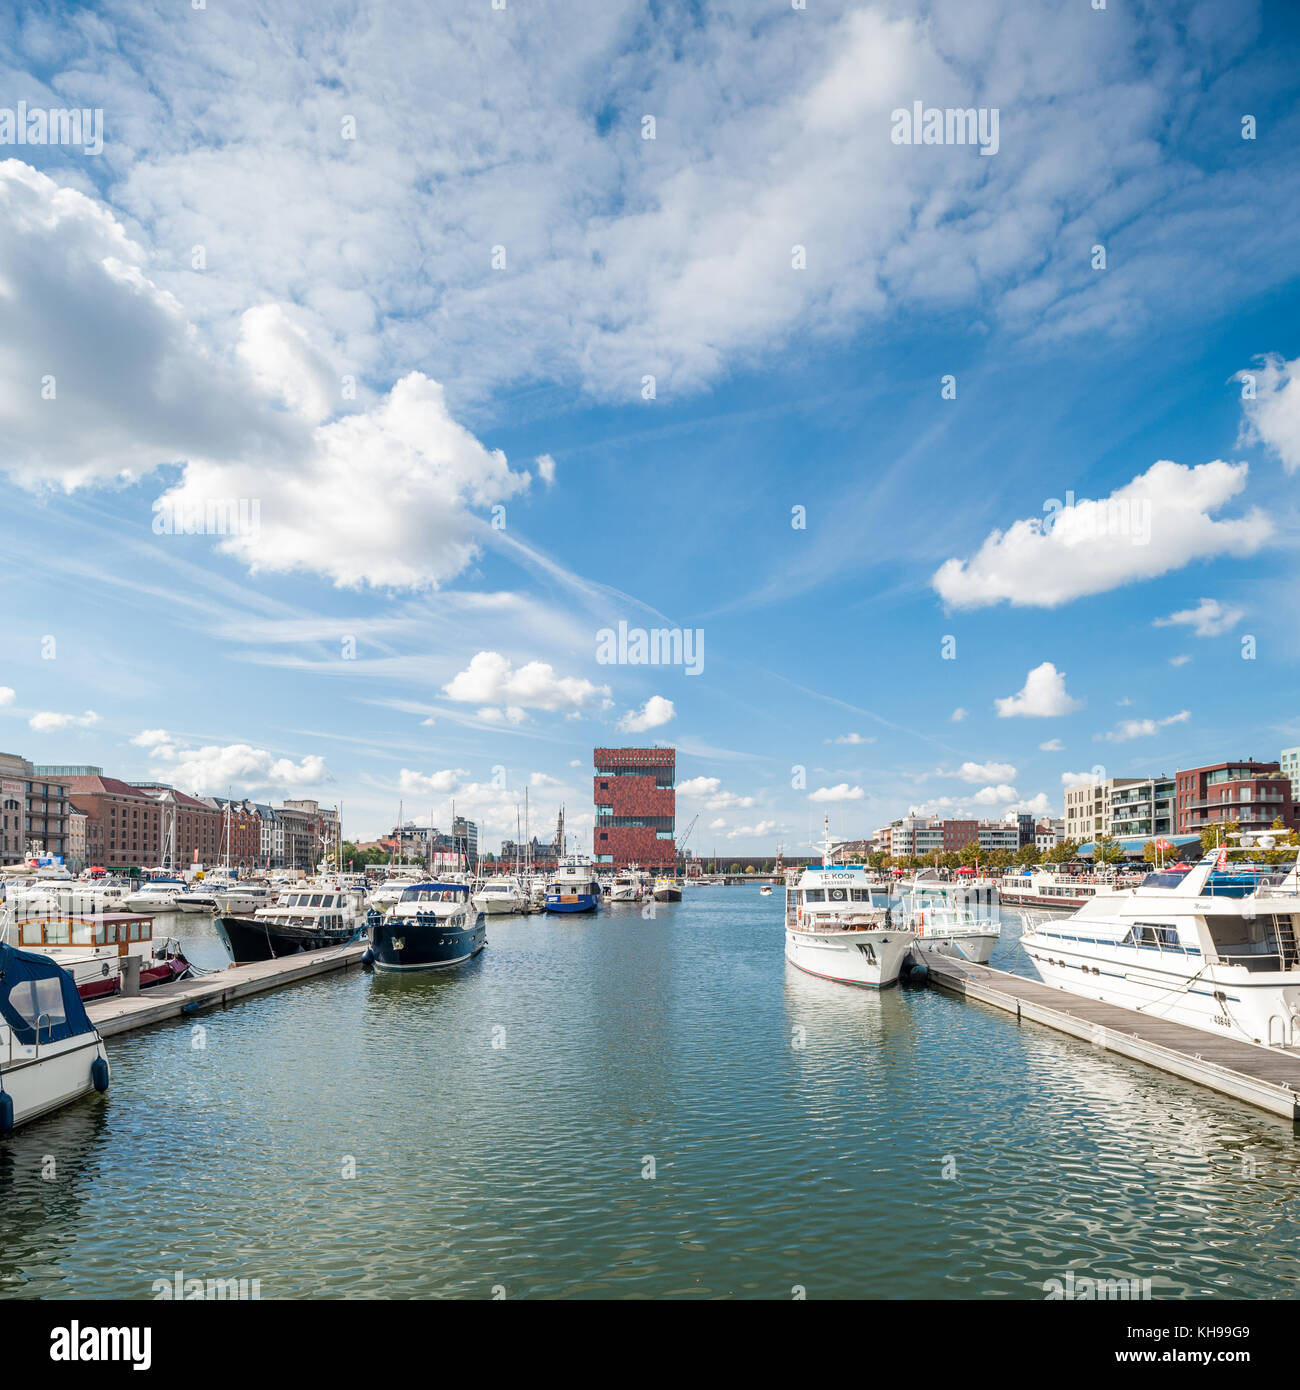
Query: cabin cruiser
(91,948)
(155,895)
(390,889)
(629,886)
(836,927)
(50,1052)
(303,918)
(573,886)
(1200,947)
(668,890)
(432,926)
(946,921)
(500,896)
(241,899)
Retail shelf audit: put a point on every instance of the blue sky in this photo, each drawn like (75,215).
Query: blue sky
(382,336)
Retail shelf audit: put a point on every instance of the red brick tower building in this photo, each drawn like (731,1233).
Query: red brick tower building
(636,807)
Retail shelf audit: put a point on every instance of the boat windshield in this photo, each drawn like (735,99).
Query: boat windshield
(433,895)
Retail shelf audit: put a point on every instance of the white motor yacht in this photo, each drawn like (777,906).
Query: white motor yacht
(496,897)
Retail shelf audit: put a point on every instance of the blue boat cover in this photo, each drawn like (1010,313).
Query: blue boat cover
(34,991)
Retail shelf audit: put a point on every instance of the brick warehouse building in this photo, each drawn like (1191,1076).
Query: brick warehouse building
(124,824)
(636,807)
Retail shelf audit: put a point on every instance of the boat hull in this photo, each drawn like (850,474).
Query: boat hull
(1259,1007)
(668,895)
(976,947)
(872,959)
(249,940)
(407,945)
(500,907)
(571,902)
(54,1078)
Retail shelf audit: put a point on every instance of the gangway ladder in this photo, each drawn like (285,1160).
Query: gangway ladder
(1286,941)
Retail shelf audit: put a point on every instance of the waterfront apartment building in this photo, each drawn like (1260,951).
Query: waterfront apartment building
(311,831)
(636,807)
(1290,764)
(75,855)
(1122,807)
(1049,833)
(1252,793)
(34,811)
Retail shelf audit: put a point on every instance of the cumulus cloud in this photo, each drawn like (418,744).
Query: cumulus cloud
(1082,779)
(1161,521)
(752,832)
(541,779)
(1180,660)
(490,679)
(47,721)
(430,783)
(1273,417)
(1043,696)
(7,695)
(212,768)
(1209,618)
(1053,745)
(710,791)
(1037,806)
(959,714)
(656,711)
(985,772)
(1142,728)
(840,792)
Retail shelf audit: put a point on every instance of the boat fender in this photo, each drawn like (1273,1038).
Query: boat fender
(99,1074)
(367,957)
(6,1112)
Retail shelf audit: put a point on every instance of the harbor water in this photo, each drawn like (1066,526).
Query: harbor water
(610,1106)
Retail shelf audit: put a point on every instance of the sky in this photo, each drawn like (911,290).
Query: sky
(375,362)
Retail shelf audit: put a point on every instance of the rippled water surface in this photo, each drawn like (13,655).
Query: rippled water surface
(621,1107)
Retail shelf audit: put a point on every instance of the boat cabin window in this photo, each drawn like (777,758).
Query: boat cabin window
(39,1002)
(315,900)
(861,895)
(837,895)
(814,895)
(1248,941)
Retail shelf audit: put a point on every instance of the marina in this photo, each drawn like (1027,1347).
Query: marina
(881,1093)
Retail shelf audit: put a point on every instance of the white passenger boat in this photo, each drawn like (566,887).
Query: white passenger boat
(1206,947)
(946,919)
(1062,891)
(50,1052)
(155,895)
(499,897)
(836,928)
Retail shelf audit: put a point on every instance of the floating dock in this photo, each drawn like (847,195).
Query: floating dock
(125,1014)
(1268,1077)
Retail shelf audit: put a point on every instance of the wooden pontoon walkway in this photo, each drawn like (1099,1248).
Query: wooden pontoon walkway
(120,1014)
(1265,1076)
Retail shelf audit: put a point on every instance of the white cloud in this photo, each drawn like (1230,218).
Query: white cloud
(1082,779)
(985,772)
(545,468)
(1181,660)
(7,696)
(994,796)
(1209,618)
(430,784)
(709,790)
(718,824)
(575,762)
(656,711)
(490,679)
(1043,696)
(211,769)
(959,714)
(1160,521)
(851,739)
(1037,806)
(1273,417)
(47,721)
(540,779)
(840,792)
(752,832)
(1053,745)
(1142,728)
(512,714)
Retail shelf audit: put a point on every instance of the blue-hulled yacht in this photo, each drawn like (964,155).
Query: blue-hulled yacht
(573,887)
(431,926)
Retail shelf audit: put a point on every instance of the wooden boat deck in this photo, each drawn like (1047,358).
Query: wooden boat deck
(123,1014)
(1268,1077)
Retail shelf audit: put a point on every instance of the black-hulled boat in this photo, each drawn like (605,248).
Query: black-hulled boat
(305,918)
(431,926)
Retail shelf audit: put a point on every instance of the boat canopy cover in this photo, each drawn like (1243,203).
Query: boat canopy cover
(414,888)
(36,992)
